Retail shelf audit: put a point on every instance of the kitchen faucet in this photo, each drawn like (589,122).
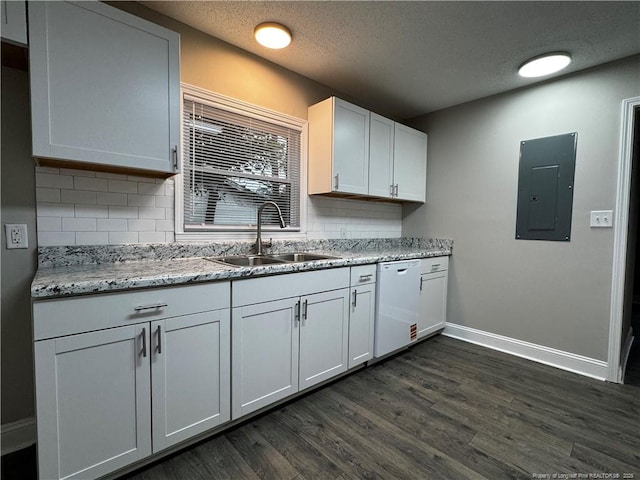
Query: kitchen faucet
(259,236)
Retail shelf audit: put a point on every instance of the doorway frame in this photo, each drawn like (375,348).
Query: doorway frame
(621,226)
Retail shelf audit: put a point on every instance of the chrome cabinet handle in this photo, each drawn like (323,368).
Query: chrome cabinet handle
(159,333)
(366,277)
(435,267)
(140,308)
(337,181)
(391,189)
(174,153)
(395,190)
(296,311)
(304,309)
(421,280)
(144,342)
(355,298)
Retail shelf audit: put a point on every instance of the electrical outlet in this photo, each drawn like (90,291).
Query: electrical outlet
(602,218)
(16,235)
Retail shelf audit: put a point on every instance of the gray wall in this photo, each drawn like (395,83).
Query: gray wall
(18,266)
(555,294)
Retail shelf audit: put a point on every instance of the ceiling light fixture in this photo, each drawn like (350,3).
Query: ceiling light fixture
(544,64)
(272,35)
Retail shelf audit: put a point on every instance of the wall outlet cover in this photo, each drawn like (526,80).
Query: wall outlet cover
(16,234)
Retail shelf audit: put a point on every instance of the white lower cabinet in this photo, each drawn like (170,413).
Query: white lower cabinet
(283,345)
(110,397)
(433,295)
(362,314)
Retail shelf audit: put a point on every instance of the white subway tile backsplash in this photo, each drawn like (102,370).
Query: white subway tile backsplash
(49,180)
(113,199)
(151,188)
(135,200)
(123,186)
(93,184)
(50,224)
(123,212)
(77,173)
(48,194)
(139,225)
(119,238)
(56,238)
(46,209)
(94,211)
(112,176)
(98,208)
(92,238)
(79,224)
(164,201)
(152,212)
(152,237)
(164,225)
(77,196)
(112,225)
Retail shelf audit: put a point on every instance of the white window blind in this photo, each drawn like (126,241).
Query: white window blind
(232,164)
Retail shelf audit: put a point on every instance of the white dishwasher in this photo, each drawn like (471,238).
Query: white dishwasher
(398,293)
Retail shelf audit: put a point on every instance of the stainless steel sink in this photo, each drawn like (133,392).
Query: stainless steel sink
(301,257)
(246,260)
(275,259)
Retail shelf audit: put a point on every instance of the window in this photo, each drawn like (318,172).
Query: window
(236,157)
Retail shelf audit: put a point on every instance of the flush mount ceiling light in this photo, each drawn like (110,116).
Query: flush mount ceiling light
(544,65)
(272,35)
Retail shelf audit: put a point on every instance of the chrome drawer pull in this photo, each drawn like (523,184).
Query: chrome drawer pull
(143,334)
(366,277)
(140,308)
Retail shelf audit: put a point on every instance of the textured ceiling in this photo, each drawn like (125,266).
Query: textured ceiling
(410,58)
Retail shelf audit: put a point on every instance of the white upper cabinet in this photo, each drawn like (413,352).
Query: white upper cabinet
(381,156)
(356,152)
(338,148)
(409,164)
(105,87)
(13,16)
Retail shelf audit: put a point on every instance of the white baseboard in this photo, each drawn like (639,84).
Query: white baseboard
(626,350)
(18,435)
(572,362)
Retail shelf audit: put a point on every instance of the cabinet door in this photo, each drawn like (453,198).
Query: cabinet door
(13,15)
(433,303)
(264,354)
(361,324)
(191,382)
(93,402)
(350,148)
(105,86)
(381,156)
(324,333)
(410,163)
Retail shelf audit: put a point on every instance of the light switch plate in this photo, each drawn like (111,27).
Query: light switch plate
(602,218)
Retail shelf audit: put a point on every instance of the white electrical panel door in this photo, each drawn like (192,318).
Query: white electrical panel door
(105,87)
(94,402)
(191,379)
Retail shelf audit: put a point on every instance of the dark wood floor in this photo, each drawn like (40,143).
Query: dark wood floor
(443,410)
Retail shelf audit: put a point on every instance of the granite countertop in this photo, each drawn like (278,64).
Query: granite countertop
(61,280)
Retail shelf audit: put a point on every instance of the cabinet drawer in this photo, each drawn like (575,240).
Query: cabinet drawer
(66,316)
(266,289)
(363,274)
(435,264)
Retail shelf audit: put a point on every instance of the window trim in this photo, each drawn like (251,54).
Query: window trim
(245,233)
